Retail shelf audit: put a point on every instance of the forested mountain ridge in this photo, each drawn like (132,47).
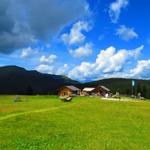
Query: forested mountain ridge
(17,80)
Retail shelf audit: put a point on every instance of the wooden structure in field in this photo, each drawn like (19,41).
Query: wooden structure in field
(96,91)
(69,91)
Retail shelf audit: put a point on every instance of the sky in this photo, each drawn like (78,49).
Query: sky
(85,40)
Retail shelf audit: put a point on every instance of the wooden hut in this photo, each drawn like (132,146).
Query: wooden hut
(69,91)
(103,91)
(88,91)
(96,91)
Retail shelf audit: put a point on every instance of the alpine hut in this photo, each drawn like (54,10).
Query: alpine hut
(69,91)
(96,91)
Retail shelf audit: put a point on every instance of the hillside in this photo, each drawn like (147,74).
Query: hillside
(17,80)
(123,86)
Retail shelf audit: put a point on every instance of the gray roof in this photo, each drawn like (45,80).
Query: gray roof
(105,88)
(73,88)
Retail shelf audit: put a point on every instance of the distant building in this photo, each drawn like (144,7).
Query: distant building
(96,91)
(69,91)
(104,91)
(88,91)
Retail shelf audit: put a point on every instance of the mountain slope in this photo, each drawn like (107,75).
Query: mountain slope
(17,80)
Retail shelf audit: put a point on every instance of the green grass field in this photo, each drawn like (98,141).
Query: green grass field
(46,123)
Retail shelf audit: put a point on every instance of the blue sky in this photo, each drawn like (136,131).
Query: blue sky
(83,39)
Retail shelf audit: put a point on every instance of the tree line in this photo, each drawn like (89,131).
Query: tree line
(139,88)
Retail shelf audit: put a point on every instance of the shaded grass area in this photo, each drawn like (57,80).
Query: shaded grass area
(84,124)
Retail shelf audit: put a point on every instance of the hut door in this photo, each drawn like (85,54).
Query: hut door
(65,93)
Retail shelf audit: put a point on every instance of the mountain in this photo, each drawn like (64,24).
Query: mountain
(123,86)
(17,80)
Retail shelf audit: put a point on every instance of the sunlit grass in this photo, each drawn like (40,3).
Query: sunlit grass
(46,123)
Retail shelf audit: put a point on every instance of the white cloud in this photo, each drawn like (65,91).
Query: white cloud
(47,66)
(126,33)
(142,70)
(44,68)
(82,72)
(28,52)
(83,51)
(76,36)
(115,9)
(48,60)
(108,61)
(62,70)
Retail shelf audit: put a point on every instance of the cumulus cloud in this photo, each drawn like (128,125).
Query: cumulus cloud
(28,52)
(62,70)
(76,36)
(48,60)
(142,70)
(45,68)
(108,61)
(83,51)
(115,9)
(126,33)
(23,22)
(48,65)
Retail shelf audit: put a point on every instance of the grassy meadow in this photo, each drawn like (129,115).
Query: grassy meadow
(86,123)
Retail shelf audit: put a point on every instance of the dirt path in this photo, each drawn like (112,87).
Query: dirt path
(34,111)
(123,100)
